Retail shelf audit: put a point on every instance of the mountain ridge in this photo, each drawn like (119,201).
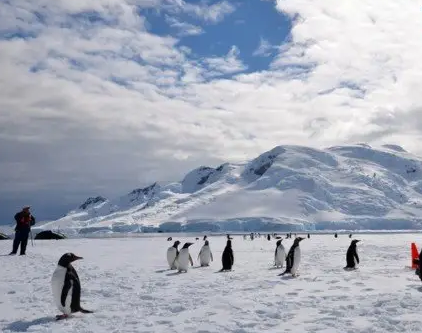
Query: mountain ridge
(289,187)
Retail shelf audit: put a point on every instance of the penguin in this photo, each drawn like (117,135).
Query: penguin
(309,235)
(227,258)
(66,287)
(268,237)
(293,258)
(183,259)
(279,255)
(335,235)
(172,253)
(169,239)
(352,258)
(418,269)
(350,235)
(205,238)
(205,255)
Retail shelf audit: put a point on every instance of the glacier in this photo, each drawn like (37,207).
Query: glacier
(288,188)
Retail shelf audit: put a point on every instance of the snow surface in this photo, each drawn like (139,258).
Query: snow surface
(350,187)
(126,282)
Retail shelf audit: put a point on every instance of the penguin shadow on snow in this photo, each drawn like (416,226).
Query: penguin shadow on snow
(23,326)
(176,273)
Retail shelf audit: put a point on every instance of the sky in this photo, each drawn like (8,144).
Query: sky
(100,97)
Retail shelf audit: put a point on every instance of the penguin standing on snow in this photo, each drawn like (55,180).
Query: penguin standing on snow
(227,258)
(279,255)
(352,258)
(293,258)
(66,287)
(172,253)
(205,255)
(183,258)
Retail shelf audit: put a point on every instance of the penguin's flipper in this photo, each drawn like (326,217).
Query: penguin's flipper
(212,259)
(65,290)
(190,259)
(174,261)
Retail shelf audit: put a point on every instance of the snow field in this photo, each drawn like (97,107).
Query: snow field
(127,283)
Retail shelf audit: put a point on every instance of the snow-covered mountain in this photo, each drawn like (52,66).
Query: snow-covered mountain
(285,189)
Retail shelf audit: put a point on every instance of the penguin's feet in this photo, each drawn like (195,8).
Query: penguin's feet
(62,316)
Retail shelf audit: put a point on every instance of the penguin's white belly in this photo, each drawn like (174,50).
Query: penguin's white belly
(171,255)
(182,262)
(280,257)
(57,283)
(296,260)
(205,256)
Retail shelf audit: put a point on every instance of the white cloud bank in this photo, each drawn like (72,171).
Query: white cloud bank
(88,108)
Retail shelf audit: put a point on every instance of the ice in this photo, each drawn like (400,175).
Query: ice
(127,283)
(288,187)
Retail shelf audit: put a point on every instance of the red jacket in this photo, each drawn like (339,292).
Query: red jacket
(24,220)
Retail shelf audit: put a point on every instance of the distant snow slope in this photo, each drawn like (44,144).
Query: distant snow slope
(286,188)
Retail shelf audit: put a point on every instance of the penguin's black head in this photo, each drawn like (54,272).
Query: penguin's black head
(205,237)
(298,240)
(67,259)
(279,242)
(176,244)
(207,243)
(186,245)
(355,241)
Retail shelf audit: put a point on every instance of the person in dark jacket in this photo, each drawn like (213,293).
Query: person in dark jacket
(24,221)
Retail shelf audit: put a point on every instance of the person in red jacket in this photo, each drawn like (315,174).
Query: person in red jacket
(24,221)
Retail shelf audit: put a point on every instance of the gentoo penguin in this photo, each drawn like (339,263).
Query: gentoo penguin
(279,255)
(352,257)
(335,235)
(227,258)
(183,258)
(350,235)
(67,287)
(293,257)
(169,239)
(418,269)
(205,238)
(172,253)
(205,255)
(309,235)
(268,237)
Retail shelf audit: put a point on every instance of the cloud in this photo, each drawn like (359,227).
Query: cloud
(226,65)
(264,48)
(92,102)
(185,29)
(208,13)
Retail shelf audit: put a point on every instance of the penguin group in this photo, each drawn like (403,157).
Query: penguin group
(180,260)
(66,285)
